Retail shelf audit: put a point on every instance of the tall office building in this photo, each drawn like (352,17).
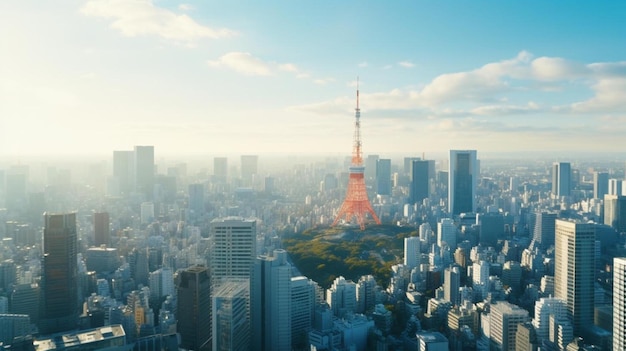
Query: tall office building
(144,170)
(615,211)
(220,169)
(270,302)
(366,289)
(249,168)
(615,187)
(446,232)
(230,325)
(574,270)
(412,252)
(383,176)
(341,297)
(491,228)
(462,177)
(600,184)
(561,179)
(60,273)
(451,284)
(526,338)
(196,200)
(408,164)
(504,319)
(420,180)
(101,231)
(123,161)
(544,308)
(543,230)
(303,304)
(193,286)
(370,168)
(619,303)
(233,247)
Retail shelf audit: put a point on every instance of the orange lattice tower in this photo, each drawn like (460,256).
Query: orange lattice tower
(356,203)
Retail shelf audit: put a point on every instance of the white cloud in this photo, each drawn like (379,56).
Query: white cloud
(503,110)
(185,7)
(406,64)
(362,64)
(610,95)
(142,18)
(242,62)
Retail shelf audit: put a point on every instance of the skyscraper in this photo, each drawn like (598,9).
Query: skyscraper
(420,180)
(615,187)
(615,211)
(600,184)
(619,303)
(462,177)
(574,270)
(196,200)
(144,170)
(123,170)
(383,176)
(233,248)
(101,228)
(60,273)
(451,284)
(249,168)
(561,179)
(446,232)
(194,308)
(302,308)
(270,302)
(220,169)
(543,230)
(230,322)
(412,252)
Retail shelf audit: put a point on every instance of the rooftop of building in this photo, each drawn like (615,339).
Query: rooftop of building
(66,340)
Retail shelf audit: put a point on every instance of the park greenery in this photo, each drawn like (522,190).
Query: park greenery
(323,253)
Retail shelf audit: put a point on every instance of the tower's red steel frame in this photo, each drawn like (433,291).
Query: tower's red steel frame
(356,204)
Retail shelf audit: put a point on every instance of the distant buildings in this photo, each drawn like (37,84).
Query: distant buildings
(600,184)
(463,175)
(144,171)
(419,188)
(101,230)
(194,307)
(383,176)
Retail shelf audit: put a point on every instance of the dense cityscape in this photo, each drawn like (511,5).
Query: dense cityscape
(133,254)
(197,175)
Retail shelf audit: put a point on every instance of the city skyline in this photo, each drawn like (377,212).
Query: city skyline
(93,76)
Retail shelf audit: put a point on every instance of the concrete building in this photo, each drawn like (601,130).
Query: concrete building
(144,171)
(431,341)
(412,252)
(101,231)
(383,176)
(231,328)
(600,184)
(574,271)
(619,303)
(504,319)
(446,232)
(111,337)
(341,297)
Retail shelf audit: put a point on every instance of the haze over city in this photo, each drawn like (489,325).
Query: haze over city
(83,77)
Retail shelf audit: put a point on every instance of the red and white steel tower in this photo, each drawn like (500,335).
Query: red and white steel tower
(356,204)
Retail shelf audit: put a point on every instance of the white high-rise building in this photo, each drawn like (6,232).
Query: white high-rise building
(545,307)
(462,176)
(561,179)
(341,296)
(412,252)
(270,303)
(451,284)
(480,278)
(619,303)
(504,318)
(574,270)
(233,247)
(446,232)
(615,186)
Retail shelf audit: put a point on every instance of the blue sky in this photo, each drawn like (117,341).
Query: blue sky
(223,77)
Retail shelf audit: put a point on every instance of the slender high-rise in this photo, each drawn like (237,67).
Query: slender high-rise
(144,170)
(383,176)
(561,179)
(420,180)
(619,303)
(101,231)
(357,204)
(574,270)
(270,302)
(462,177)
(220,169)
(193,308)
(123,171)
(60,273)
(600,184)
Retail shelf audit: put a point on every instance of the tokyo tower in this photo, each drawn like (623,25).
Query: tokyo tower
(356,203)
